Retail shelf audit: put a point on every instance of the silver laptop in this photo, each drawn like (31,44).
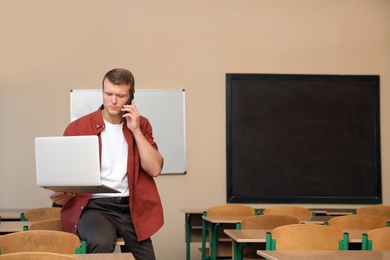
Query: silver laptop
(69,164)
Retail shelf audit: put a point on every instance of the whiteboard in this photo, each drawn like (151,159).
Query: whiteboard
(165,110)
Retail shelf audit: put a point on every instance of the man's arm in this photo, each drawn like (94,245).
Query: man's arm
(151,159)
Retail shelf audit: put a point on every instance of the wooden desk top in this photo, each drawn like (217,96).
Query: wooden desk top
(105,256)
(11,214)
(322,211)
(13,226)
(258,235)
(315,219)
(324,255)
(355,236)
(235,219)
(247,235)
(192,211)
(224,219)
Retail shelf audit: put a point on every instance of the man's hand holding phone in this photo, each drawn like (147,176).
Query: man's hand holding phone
(129,101)
(131,114)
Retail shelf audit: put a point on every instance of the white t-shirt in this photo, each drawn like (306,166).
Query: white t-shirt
(113,161)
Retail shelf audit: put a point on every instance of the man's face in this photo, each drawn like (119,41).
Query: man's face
(114,97)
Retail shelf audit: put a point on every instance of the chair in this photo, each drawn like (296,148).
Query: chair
(55,224)
(41,241)
(42,213)
(377,239)
(377,210)
(230,210)
(267,221)
(234,211)
(49,224)
(36,256)
(262,222)
(295,211)
(357,222)
(307,237)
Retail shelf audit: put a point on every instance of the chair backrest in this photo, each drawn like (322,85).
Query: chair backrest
(380,238)
(39,241)
(267,221)
(306,237)
(50,224)
(376,210)
(357,222)
(287,210)
(36,256)
(43,213)
(230,210)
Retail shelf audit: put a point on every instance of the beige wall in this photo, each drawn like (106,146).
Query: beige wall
(49,47)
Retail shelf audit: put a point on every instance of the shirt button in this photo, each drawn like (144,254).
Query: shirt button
(75,226)
(82,207)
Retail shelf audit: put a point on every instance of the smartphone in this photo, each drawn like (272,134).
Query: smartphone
(130,100)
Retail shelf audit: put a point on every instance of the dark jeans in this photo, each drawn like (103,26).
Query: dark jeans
(103,220)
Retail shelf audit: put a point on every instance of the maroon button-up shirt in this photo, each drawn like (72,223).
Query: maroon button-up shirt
(145,204)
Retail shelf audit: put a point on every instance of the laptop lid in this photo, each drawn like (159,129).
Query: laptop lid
(69,164)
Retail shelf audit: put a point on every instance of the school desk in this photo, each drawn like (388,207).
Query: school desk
(105,256)
(193,222)
(323,254)
(240,237)
(11,214)
(13,226)
(213,223)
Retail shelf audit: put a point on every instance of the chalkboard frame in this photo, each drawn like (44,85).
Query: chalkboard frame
(238,192)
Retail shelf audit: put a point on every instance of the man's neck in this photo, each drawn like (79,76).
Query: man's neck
(112,119)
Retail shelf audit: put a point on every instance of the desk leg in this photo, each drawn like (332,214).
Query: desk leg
(213,240)
(204,232)
(238,250)
(235,250)
(188,236)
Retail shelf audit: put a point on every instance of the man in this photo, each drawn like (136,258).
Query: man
(129,162)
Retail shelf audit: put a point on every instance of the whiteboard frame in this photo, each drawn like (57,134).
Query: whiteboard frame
(165,110)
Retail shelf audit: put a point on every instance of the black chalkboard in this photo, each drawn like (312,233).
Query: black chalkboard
(303,138)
